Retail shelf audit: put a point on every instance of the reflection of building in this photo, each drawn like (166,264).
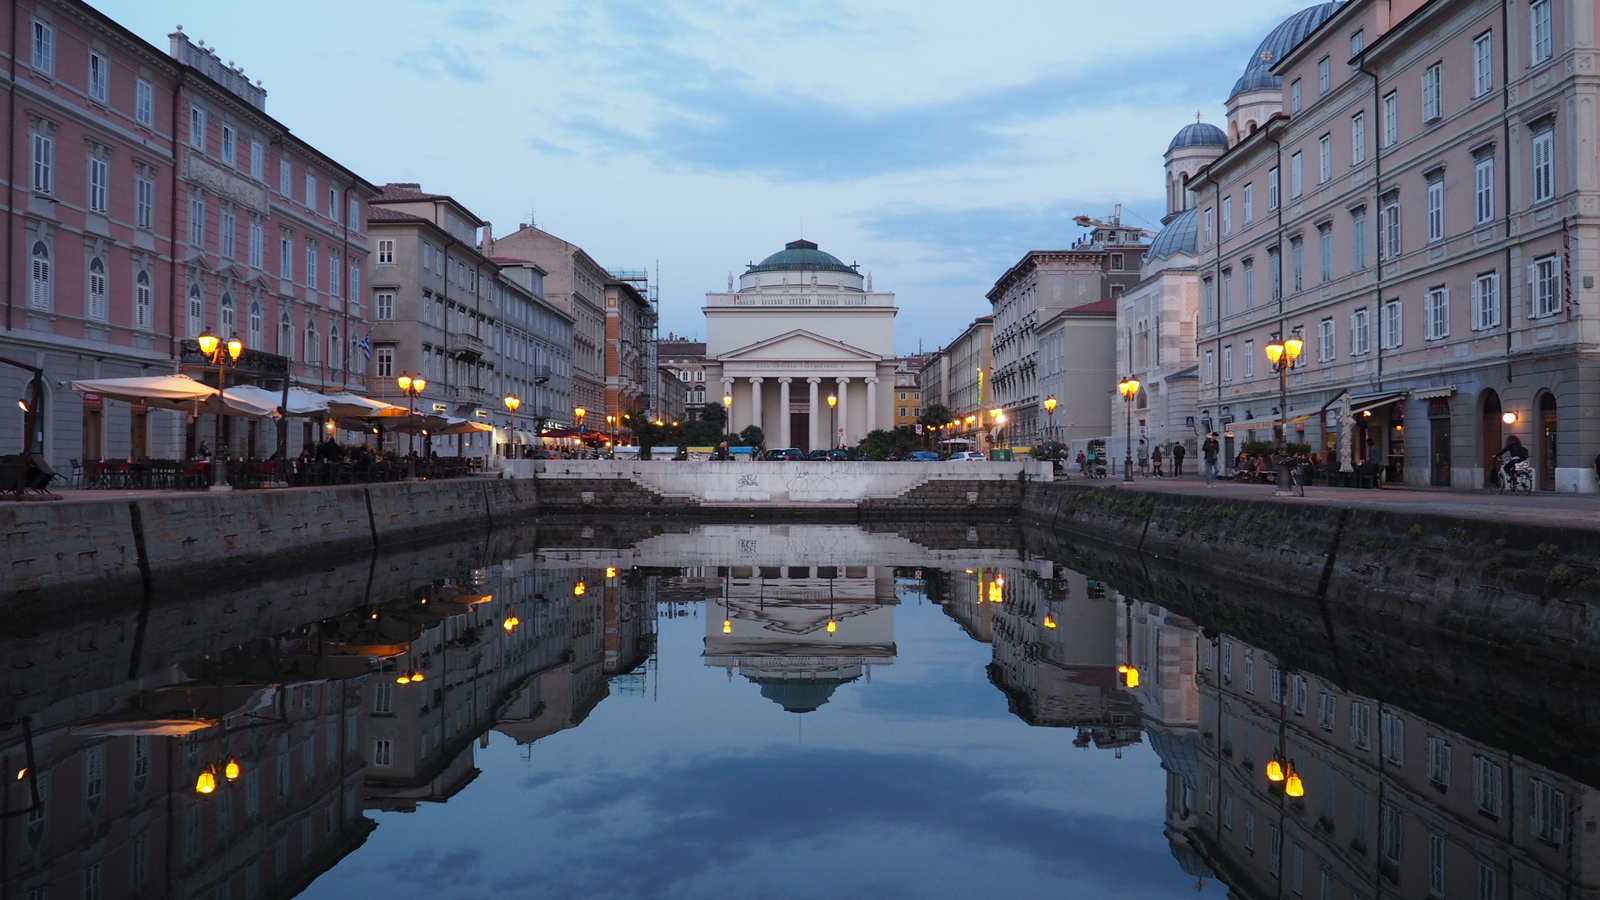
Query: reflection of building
(801,632)
(961,593)
(1394,805)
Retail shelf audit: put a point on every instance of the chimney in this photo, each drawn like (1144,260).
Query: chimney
(488,236)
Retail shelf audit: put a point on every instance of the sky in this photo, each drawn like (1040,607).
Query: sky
(932,142)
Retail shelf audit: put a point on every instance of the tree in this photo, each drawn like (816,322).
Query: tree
(715,413)
(882,444)
(751,436)
(935,415)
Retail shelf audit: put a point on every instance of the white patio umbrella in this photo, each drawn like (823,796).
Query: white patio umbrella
(179,392)
(301,402)
(346,405)
(1347,429)
(463,426)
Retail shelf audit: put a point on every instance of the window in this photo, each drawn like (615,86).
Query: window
(143,301)
(1294,96)
(1488,881)
(386,252)
(382,753)
(256,340)
(1227,292)
(1436,210)
(1360,724)
(311,191)
(355,280)
(355,213)
(1210,222)
(1438,761)
(99,77)
(1248,201)
(39,277)
(256,243)
(1227,363)
(99,184)
(1249,284)
(1272,189)
(1358,42)
(230,150)
(285,178)
(144,103)
(384,356)
(311,266)
(1325,159)
(1327,711)
(145,200)
(1249,828)
(1249,359)
(285,257)
(197,128)
(1325,341)
(1544,145)
(1275,850)
(97,289)
(1358,139)
(1435,865)
(1392,738)
(1297,262)
(1325,247)
(333,203)
(197,312)
(1432,96)
(1358,239)
(1486,301)
(1275,272)
(1360,333)
(286,335)
(1323,76)
(1483,184)
(384,305)
(1544,287)
(1391,119)
(1437,314)
(1483,64)
(44,46)
(227,321)
(1227,216)
(1487,779)
(1539,31)
(1390,827)
(313,356)
(257,160)
(230,230)
(1548,815)
(1211,367)
(333,273)
(427,255)
(1250,671)
(1296,175)
(1391,227)
(44,163)
(1392,333)
(197,219)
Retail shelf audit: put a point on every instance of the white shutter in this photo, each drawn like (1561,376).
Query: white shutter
(1530,303)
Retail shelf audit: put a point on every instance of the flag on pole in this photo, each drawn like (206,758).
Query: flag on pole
(366,346)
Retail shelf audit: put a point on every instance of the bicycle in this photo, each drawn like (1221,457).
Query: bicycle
(1297,481)
(1521,478)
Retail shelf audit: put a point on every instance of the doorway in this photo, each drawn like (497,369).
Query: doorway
(1439,441)
(93,429)
(1547,442)
(139,433)
(1493,436)
(800,430)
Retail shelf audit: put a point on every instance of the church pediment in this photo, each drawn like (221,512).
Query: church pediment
(800,345)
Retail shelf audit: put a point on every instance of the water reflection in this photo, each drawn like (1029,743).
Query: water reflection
(933,668)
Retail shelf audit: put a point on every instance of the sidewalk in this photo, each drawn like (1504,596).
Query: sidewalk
(1549,509)
(121,495)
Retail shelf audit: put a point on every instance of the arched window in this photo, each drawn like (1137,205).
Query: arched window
(143,301)
(197,312)
(335,349)
(39,295)
(227,323)
(97,289)
(255,324)
(313,347)
(286,336)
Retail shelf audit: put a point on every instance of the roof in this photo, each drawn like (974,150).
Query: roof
(404,190)
(1278,43)
(384,214)
(1097,308)
(1182,235)
(1198,134)
(801,256)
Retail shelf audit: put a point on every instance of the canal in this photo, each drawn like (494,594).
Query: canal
(778,711)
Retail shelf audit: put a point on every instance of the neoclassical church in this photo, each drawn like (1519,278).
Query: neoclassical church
(802,327)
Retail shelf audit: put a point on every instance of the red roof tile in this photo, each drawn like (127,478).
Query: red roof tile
(380,214)
(393,192)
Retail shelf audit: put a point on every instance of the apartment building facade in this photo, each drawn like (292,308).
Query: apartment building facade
(1412,191)
(957,377)
(908,391)
(686,359)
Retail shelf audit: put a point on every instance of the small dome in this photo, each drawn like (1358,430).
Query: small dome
(801,256)
(1182,235)
(1198,134)
(799,695)
(1278,44)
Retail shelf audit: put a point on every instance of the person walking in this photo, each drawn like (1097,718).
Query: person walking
(1178,453)
(1208,456)
(1083,463)
(1155,460)
(1144,459)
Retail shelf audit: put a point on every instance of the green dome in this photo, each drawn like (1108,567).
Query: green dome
(801,256)
(799,695)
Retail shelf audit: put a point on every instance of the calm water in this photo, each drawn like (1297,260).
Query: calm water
(746,711)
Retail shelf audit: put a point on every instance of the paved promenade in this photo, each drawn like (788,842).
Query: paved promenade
(1556,510)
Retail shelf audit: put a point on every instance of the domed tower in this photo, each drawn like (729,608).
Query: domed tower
(1190,151)
(1258,94)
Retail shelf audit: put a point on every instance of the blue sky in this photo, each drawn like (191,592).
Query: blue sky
(932,142)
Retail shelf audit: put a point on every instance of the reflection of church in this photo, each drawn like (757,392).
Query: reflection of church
(799,632)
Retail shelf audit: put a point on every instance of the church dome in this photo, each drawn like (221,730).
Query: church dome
(1198,134)
(799,695)
(801,256)
(1182,235)
(1283,39)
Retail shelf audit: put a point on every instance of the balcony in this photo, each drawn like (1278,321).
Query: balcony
(465,346)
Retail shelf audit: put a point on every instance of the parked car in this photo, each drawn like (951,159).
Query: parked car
(780,453)
(923,456)
(824,455)
(967,456)
(544,454)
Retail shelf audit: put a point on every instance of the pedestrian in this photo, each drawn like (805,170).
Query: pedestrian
(1208,455)
(1144,459)
(1155,460)
(1178,454)
(1083,463)
(202,452)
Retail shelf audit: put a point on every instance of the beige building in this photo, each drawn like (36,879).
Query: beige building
(1078,368)
(1414,188)
(686,359)
(802,327)
(908,391)
(958,377)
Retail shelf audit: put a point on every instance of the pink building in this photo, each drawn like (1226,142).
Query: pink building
(1411,188)
(151,199)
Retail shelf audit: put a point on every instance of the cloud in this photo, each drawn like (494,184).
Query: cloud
(439,60)
(476,18)
(434,870)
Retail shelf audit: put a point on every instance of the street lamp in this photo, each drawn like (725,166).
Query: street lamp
(1050,410)
(411,387)
(727,420)
(1129,389)
(220,355)
(833,420)
(513,402)
(998,417)
(1283,354)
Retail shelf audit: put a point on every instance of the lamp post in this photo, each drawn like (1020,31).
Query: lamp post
(1050,411)
(513,402)
(1283,354)
(727,420)
(220,355)
(833,420)
(1129,388)
(411,387)
(998,417)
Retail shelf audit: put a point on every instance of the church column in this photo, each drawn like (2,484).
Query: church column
(840,436)
(872,405)
(816,414)
(755,404)
(783,413)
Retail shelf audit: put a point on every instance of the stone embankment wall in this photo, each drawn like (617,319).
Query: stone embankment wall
(211,538)
(1523,589)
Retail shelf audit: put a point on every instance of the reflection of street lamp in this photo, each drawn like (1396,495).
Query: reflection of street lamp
(513,402)
(833,420)
(1050,410)
(220,355)
(1129,389)
(411,387)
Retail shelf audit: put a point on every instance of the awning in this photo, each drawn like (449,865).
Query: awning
(559,433)
(462,426)
(955,441)
(347,405)
(179,392)
(1359,405)
(1433,393)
